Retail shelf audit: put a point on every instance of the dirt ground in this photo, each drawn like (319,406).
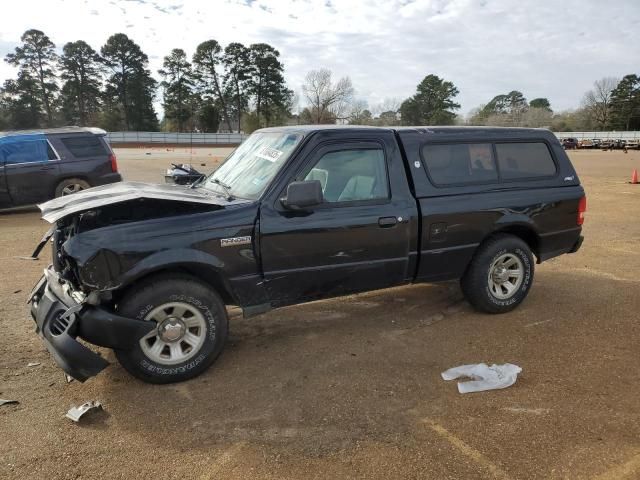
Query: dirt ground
(351,388)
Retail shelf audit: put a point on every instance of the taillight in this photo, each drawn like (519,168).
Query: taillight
(582,208)
(114,163)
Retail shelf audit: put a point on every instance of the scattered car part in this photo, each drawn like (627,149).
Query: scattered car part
(76,413)
(8,402)
(182,174)
(33,364)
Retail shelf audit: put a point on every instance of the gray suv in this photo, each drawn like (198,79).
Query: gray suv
(38,165)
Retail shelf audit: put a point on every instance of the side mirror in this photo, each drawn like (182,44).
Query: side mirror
(301,195)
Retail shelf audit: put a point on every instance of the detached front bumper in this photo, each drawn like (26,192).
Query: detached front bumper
(60,320)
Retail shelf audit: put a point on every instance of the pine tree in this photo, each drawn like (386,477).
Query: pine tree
(432,104)
(130,87)
(206,62)
(267,85)
(625,104)
(36,59)
(237,64)
(80,70)
(178,85)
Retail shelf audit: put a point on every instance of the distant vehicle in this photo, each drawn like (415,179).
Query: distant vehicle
(585,143)
(633,144)
(39,165)
(607,144)
(595,142)
(570,143)
(297,214)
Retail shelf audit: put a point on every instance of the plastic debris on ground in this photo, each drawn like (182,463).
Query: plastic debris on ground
(33,364)
(483,377)
(8,402)
(76,413)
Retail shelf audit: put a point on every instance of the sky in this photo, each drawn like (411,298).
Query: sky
(543,48)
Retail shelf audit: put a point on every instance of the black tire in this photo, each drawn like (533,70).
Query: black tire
(75,184)
(477,284)
(146,297)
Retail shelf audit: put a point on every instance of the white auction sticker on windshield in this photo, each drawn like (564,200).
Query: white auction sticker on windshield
(269,153)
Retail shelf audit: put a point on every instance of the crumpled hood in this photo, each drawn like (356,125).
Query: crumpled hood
(60,207)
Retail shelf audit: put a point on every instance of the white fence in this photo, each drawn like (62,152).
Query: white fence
(238,138)
(171,137)
(600,135)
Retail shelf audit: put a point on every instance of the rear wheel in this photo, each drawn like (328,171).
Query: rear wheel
(500,274)
(191,328)
(71,185)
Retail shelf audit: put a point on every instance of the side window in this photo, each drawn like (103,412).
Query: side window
(24,149)
(51,154)
(352,175)
(85,146)
(524,160)
(460,163)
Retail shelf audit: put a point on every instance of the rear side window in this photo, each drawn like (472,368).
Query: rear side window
(461,163)
(524,160)
(85,146)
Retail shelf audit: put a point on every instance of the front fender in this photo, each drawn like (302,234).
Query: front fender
(170,259)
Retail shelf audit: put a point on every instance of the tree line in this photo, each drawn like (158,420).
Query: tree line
(231,88)
(612,104)
(242,88)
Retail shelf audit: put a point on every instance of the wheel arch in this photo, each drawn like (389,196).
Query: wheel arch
(206,274)
(523,231)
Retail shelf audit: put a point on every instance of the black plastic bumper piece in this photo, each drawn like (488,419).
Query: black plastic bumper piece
(49,302)
(58,335)
(577,245)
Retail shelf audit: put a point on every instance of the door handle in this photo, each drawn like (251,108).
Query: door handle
(387,222)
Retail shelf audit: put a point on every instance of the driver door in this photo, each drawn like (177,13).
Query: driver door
(358,239)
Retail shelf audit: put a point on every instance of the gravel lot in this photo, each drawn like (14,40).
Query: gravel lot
(350,388)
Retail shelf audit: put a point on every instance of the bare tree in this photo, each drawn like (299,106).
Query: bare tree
(597,101)
(328,102)
(359,112)
(389,104)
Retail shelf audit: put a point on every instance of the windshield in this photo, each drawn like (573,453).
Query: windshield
(250,168)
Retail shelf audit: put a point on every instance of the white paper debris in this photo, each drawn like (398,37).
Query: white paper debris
(483,377)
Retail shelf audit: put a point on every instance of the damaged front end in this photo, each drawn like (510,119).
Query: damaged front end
(63,314)
(75,299)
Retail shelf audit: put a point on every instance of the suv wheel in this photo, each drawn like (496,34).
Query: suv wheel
(191,328)
(500,274)
(71,185)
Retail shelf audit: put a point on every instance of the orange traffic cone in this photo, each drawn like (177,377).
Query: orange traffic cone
(634,177)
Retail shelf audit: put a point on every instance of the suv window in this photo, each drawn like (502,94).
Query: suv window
(26,149)
(524,160)
(460,163)
(85,146)
(352,175)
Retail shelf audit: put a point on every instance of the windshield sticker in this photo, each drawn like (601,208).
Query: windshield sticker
(269,153)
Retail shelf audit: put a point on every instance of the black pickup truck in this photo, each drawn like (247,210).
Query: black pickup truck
(298,214)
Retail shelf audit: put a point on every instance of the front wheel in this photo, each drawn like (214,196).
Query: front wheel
(191,328)
(500,274)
